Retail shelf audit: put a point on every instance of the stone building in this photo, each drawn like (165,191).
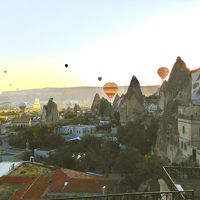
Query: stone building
(189,131)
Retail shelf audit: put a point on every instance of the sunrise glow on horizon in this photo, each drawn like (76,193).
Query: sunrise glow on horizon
(112,39)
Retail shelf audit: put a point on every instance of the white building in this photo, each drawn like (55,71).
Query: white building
(42,153)
(78,130)
(189,132)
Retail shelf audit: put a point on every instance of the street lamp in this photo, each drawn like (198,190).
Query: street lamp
(104,190)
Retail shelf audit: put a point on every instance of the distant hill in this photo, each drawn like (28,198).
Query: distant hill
(62,96)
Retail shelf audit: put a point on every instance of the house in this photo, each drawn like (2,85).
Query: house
(25,181)
(104,122)
(42,153)
(31,180)
(22,121)
(77,130)
(189,131)
(67,182)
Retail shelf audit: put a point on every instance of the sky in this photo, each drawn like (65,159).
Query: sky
(115,39)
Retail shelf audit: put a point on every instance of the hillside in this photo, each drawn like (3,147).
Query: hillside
(62,96)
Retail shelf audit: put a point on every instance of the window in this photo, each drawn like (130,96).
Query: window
(185,147)
(181,144)
(183,129)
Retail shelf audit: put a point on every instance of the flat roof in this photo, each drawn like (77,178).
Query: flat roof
(5,167)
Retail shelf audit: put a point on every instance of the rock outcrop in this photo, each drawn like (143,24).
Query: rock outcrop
(50,113)
(95,104)
(101,107)
(116,101)
(174,93)
(131,105)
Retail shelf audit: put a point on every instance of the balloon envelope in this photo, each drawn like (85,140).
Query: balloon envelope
(99,78)
(110,89)
(66,65)
(163,72)
(5,71)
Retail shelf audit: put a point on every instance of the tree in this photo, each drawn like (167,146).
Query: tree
(109,152)
(117,117)
(126,167)
(140,134)
(63,158)
(76,108)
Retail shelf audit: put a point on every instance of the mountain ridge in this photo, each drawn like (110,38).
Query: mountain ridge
(82,95)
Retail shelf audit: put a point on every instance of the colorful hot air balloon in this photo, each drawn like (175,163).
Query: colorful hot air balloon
(163,72)
(110,89)
(99,78)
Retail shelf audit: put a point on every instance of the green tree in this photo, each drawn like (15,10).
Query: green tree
(126,167)
(109,152)
(140,134)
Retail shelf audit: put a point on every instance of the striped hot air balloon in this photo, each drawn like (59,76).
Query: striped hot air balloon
(110,89)
(163,72)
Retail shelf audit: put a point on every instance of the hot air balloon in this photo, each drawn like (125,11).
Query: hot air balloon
(99,78)
(163,72)
(110,89)
(22,106)
(5,71)
(66,65)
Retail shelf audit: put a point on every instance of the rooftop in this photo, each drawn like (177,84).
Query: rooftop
(5,167)
(21,120)
(28,169)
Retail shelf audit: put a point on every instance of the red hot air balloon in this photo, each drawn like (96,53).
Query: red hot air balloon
(99,78)
(110,89)
(163,72)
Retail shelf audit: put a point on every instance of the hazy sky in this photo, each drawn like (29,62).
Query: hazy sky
(114,39)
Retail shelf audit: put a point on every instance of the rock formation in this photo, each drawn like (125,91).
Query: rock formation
(116,101)
(101,107)
(95,104)
(131,105)
(174,93)
(105,108)
(50,112)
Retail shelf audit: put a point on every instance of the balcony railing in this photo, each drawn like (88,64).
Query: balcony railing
(183,172)
(171,195)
